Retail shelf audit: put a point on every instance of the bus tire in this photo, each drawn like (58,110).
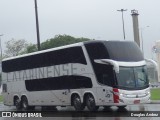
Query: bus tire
(17,103)
(31,107)
(122,107)
(90,102)
(106,107)
(25,105)
(49,108)
(78,105)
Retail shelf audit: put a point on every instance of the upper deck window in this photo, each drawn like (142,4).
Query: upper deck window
(56,57)
(124,51)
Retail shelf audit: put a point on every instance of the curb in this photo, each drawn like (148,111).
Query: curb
(155,101)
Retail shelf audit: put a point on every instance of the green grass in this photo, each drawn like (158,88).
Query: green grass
(1,98)
(155,94)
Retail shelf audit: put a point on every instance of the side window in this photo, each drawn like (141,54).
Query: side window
(57,57)
(105,74)
(97,51)
(4,87)
(74,55)
(107,79)
(59,83)
(83,82)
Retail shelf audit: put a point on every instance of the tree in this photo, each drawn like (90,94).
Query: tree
(15,47)
(18,47)
(60,40)
(31,48)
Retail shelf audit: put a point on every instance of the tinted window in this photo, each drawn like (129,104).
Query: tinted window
(124,51)
(58,83)
(104,73)
(63,56)
(115,50)
(97,50)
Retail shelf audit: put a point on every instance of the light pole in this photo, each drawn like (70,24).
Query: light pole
(122,10)
(141,29)
(37,25)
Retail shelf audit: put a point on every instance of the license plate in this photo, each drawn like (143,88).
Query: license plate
(136,101)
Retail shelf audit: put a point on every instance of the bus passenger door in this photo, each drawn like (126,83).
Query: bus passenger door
(105,78)
(107,89)
(100,95)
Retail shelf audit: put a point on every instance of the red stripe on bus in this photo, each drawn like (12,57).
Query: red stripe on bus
(115,96)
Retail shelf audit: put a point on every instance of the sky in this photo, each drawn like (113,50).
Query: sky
(94,19)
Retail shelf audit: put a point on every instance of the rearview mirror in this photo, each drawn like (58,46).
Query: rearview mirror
(108,62)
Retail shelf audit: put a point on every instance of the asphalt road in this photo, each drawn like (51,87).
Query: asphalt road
(131,112)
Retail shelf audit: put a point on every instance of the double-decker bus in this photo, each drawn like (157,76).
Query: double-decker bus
(93,73)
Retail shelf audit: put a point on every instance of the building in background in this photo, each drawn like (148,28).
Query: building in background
(152,69)
(152,66)
(156,51)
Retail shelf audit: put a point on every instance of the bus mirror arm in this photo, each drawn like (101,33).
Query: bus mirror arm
(110,62)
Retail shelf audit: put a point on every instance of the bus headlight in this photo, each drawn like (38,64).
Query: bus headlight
(122,94)
(148,93)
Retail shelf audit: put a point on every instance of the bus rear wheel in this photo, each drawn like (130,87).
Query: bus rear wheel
(17,103)
(90,102)
(78,105)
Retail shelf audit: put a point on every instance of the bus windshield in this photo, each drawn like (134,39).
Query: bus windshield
(132,78)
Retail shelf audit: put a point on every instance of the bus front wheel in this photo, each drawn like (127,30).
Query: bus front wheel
(122,107)
(78,105)
(25,105)
(90,102)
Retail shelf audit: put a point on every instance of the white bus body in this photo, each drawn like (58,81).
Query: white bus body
(88,74)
